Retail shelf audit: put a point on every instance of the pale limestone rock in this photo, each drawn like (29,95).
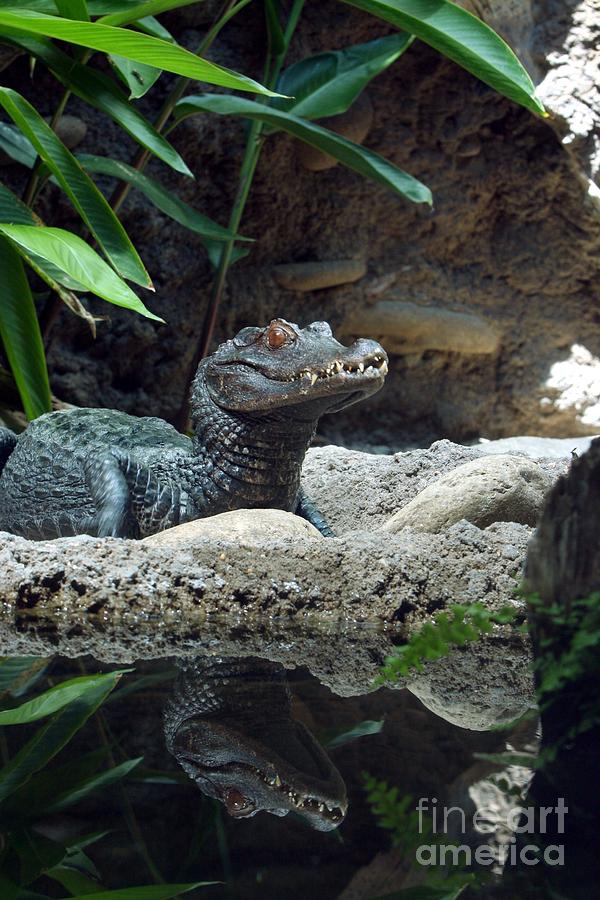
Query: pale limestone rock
(405,327)
(498,488)
(242,526)
(314,276)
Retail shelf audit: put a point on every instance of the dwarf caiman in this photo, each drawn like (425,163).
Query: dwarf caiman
(230,726)
(255,406)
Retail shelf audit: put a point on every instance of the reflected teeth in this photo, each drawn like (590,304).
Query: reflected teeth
(332,811)
(377,365)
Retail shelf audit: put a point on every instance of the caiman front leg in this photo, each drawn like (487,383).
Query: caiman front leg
(8,442)
(131,501)
(309,511)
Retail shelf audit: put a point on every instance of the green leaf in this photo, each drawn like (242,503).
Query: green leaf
(138,77)
(352,155)
(328,83)
(16,145)
(149,892)
(73,881)
(134,11)
(369,726)
(36,853)
(79,187)
(139,47)
(13,211)
(163,199)
(71,255)
(87,786)
(20,333)
(17,673)
(275,33)
(52,700)
(101,92)
(53,736)
(73,9)
(463,38)
(423,892)
(32,800)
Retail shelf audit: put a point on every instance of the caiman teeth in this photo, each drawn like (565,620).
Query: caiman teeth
(376,365)
(332,812)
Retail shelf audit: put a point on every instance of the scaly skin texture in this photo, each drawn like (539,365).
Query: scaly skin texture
(255,406)
(229,724)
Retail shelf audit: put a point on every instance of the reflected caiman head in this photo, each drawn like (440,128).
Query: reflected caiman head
(278,768)
(283,365)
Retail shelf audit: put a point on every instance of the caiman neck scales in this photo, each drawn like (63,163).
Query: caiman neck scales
(256,402)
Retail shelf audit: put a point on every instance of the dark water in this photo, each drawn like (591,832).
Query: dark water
(367,796)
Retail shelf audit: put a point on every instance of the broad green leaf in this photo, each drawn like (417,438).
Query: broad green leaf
(20,333)
(423,892)
(16,145)
(163,199)
(36,853)
(52,737)
(87,786)
(32,800)
(369,726)
(73,9)
(138,77)
(463,38)
(17,673)
(274,29)
(73,881)
(9,890)
(13,211)
(328,83)
(148,892)
(215,249)
(101,92)
(133,12)
(139,47)
(52,700)
(73,256)
(352,155)
(62,284)
(79,187)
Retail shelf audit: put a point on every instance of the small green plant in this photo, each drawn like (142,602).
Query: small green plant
(33,787)
(454,627)
(409,829)
(64,35)
(567,663)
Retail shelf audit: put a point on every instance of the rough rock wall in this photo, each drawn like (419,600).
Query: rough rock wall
(511,245)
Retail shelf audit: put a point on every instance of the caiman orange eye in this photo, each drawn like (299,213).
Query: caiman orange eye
(236,802)
(277,337)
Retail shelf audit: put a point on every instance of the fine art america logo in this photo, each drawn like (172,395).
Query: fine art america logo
(518,820)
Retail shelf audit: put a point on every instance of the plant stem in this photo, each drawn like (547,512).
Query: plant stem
(35,184)
(229,10)
(252,151)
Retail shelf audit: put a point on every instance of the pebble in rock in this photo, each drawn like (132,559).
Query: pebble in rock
(493,489)
(71,130)
(242,526)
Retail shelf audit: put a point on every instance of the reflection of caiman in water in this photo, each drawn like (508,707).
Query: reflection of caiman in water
(230,726)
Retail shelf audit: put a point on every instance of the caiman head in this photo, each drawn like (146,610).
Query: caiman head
(287,368)
(277,767)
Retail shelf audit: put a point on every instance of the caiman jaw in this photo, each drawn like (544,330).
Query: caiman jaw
(375,365)
(332,813)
